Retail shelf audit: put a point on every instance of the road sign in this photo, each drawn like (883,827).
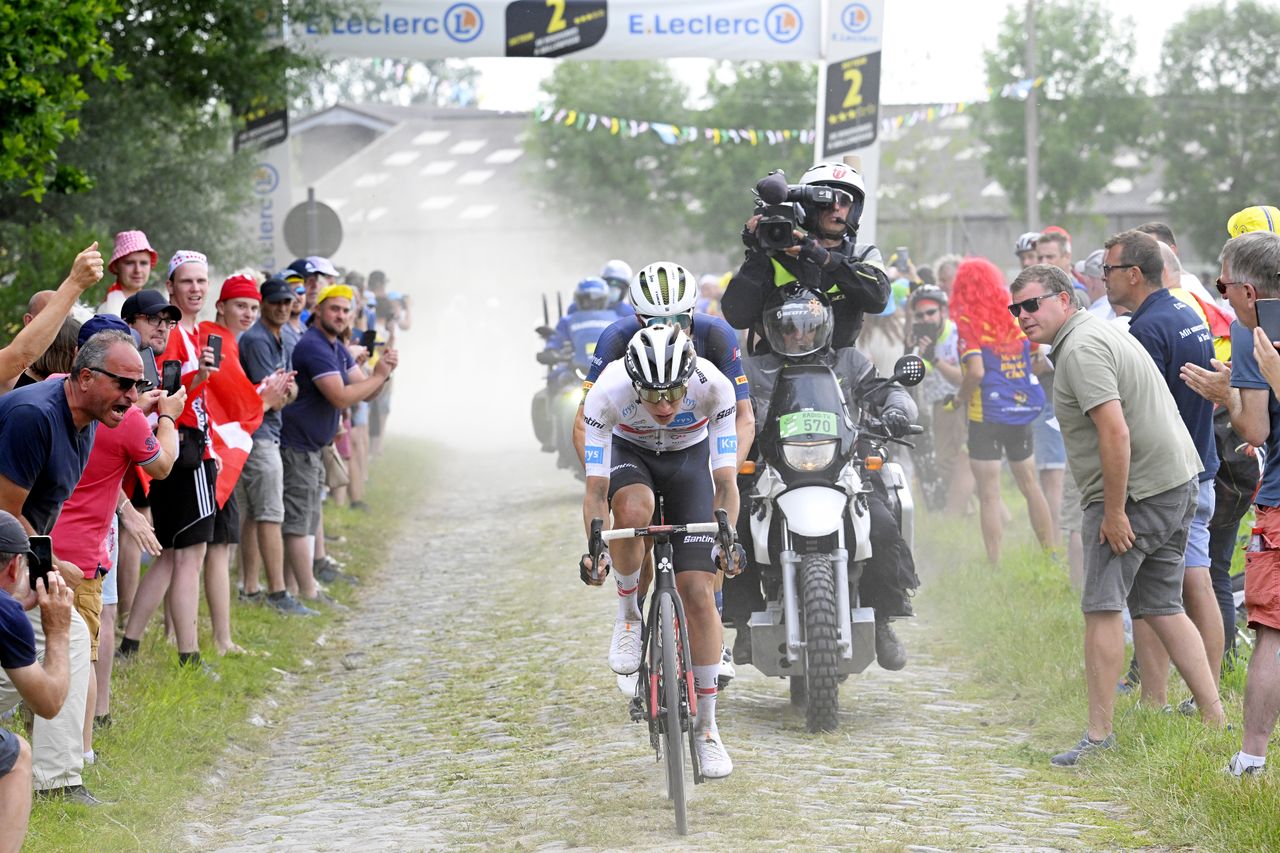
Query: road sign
(313,228)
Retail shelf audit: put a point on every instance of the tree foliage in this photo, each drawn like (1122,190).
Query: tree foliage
(1220,125)
(48,47)
(695,195)
(155,138)
(1089,106)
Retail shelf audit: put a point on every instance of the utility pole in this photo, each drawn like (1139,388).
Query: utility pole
(1032,124)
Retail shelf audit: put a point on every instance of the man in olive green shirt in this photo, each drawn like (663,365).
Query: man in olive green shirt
(1138,488)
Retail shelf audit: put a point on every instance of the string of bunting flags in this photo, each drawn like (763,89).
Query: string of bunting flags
(679,134)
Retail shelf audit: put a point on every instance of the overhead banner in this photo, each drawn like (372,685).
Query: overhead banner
(587,29)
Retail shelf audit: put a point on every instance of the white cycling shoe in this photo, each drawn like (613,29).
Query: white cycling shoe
(712,757)
(624,650)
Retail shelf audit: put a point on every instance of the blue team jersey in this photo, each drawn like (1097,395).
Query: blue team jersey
(582,329)
(1010,392)
(713,339)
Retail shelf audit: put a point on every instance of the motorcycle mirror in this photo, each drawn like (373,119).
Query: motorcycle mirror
(908,370)
(546,332)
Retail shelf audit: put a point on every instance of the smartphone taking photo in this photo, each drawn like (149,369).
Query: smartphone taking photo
(171,376)
(369,340)
(149,368)
(215,344)
(41,561)
(1269,318)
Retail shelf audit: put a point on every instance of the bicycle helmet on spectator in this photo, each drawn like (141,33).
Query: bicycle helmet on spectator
(660,357)
(842,177)
(662,289)
(927,293)
(797,321)
(591,294)
(1026,243)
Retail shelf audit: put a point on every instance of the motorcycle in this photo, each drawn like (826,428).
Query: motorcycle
(554,407)
(810,495)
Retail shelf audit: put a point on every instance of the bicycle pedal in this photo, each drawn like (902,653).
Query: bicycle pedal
(636,709)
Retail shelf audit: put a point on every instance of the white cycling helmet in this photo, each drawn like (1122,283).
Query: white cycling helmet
(660,357)
(617,270)
(1026,242)
(662,289)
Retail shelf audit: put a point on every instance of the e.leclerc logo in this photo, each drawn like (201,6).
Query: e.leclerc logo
(856,18)
(463,22)
(783,23)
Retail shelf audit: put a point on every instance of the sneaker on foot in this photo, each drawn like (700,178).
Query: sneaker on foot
(727,670)
(1084,748)
(254,597)
(329,570)
(1240,770)
(1187,707)
(325,598)
(286,603)
(78,794)
(624,649)
(890,653)
(713,760)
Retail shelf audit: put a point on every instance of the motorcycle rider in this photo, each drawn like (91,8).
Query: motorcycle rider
(574,338)
(617,274)
(799,323)
(827,257)
(660,421)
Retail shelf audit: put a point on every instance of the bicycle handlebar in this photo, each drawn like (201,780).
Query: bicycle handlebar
(656,529)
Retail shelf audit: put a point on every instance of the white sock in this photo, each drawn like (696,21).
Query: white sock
(628,604)
(1247,760)
(704,684)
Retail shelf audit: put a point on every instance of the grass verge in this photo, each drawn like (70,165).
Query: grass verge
(172,725)
(1020,630)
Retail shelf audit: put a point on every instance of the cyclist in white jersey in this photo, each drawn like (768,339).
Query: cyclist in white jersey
(660,420)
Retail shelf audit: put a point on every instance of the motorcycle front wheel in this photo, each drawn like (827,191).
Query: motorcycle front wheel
(821,649)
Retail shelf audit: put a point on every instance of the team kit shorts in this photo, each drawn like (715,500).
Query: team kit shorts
(683,480)
(989,441)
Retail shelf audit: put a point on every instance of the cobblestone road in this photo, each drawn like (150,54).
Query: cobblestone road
(468,704)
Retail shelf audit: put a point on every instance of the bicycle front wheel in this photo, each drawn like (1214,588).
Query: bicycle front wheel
(673,736)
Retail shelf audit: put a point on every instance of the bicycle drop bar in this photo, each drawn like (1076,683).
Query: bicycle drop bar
(659,530)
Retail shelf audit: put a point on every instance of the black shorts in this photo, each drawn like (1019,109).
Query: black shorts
(183,506)
(226,523)
(139,497)
(683,478)
(987,440)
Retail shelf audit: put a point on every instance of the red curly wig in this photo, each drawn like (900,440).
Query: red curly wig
(980,308)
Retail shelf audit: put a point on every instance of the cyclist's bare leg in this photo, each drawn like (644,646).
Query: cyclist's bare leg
(632,507)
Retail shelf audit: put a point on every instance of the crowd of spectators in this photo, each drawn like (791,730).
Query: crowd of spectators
(175,426)
(1137,412)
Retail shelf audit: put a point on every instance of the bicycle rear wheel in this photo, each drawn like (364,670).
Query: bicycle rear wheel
(672,736)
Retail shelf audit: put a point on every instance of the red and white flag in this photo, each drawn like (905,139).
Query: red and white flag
(234,408)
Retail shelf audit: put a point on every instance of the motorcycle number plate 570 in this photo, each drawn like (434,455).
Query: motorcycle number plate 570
(807,423)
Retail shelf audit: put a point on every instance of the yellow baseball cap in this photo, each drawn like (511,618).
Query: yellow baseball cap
(339,290)
(1260,217)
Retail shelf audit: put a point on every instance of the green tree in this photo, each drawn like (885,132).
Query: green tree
(694,194)
(48,48)
(1090,104)
(155,139)
(1220,122)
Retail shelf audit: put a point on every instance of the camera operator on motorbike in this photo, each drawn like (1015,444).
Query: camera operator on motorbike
(798,326)
(655,419)
(570,346)
(821,252)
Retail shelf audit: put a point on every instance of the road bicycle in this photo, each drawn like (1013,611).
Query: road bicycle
(664,685)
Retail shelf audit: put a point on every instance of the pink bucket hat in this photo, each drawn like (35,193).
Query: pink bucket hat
(128,242)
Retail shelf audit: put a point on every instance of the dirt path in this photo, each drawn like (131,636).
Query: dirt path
(471,706)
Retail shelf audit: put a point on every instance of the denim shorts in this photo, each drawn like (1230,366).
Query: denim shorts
(1198,536)
(10,749)
(1149,575)
(1050,451)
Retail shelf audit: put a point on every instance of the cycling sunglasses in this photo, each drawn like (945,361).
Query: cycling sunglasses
(124,383)
(684,321)
(657,395)
(1031,305)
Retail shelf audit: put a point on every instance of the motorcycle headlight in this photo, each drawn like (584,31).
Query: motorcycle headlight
(810,456)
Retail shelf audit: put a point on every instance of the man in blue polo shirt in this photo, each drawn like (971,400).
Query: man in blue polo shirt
(260,490)
(328,382)
(1174,335)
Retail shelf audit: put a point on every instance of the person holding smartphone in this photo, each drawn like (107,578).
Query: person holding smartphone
(34,659)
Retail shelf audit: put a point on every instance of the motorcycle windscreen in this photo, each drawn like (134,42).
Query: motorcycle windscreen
(813,510)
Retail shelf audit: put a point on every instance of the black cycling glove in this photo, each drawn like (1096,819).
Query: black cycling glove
(896,422)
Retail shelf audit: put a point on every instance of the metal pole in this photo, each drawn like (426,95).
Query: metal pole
(1032,128)
(313,223)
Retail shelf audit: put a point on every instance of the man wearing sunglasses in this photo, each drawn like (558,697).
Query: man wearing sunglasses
(46,436)
(660,421)
(1248,390)
(826,257)
(1136,468)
